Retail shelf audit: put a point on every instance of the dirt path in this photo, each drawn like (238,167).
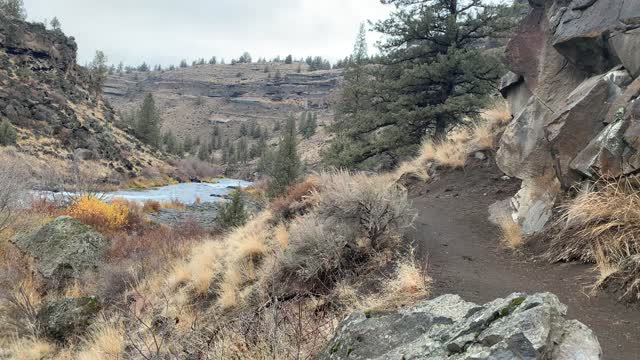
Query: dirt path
(464,257)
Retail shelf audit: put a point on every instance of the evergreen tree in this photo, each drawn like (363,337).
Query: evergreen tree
(286,169)
(98,71)
(213,60)
(120,68)
(183,64)
(55,24)
(233,213)
(203,152)
(188,144)
(243,151)
(169,140)
(143,67)
(148,122)
(13,9)
(8,134)
(433,75)
(288,59)
(243,129)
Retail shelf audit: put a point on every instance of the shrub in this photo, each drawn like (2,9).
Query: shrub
(233,213)
(297,200)
(356,218)
(102,215)
(13,183)
(151,206)
(8,134)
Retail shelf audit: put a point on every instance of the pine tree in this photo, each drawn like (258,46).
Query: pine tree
(98,71)
(147,124)
(183,64)
(120,68)
(288,59)
(434,74)
(213,60)
(286,168)
(360,48)
(8,134)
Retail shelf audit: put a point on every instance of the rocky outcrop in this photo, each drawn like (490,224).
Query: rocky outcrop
(519,326)
(61,320)
(63,249)
(575,63)
(55,105)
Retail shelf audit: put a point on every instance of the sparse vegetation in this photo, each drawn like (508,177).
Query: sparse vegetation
(8,134)
(600,226)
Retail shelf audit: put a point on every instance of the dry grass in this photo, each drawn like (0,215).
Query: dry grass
(106,342)
(601,225)
(511,233)
(31,349)
(409,285)
(460,143)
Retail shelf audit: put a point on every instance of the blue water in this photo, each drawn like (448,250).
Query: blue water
(186,192)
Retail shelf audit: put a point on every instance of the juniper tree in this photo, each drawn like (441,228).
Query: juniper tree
(169,140)
(8,134)
(288,59)
(188,144)
(98,71)
(233,213)
(432,75)
(183,64)
(147,123)
(286,169)
(55,24)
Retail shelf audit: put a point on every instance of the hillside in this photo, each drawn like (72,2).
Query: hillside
(193,100)
(48,99)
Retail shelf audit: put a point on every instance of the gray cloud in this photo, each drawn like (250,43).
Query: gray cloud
(166,31)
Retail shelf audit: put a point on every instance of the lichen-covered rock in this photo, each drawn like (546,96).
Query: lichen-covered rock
(60,320)
(63,249)
(519,326)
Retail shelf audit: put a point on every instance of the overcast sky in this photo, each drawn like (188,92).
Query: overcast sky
(166,31)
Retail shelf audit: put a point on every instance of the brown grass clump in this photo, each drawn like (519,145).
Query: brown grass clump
(460,143)
(511,233)
(297,200)
(601,225)
(151,206)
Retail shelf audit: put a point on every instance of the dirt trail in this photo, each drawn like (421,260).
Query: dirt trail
(464,257)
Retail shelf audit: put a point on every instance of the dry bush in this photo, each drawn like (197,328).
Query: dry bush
(193,168)
(355,218)
(378,209)
(151,206)
(511,233)
(601,225)
(297,200)
(13,185)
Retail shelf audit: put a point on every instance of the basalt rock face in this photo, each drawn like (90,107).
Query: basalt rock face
(573,93)
(50,100)
(517,327)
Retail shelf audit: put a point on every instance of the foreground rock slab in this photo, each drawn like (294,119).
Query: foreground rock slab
(519,326)
(64,248)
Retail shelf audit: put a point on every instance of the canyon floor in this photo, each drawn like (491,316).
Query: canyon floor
(462,250)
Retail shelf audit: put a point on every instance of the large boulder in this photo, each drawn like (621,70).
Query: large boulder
(519,326)
(61,320)
(583,27)
(63,249)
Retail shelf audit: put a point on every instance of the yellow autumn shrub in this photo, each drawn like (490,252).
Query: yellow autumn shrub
(102,215)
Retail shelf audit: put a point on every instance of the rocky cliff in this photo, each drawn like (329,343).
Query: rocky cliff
(572,91)
(193,99)
(59,117)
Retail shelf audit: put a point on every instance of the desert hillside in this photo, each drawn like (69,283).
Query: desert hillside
(56,113)
(193,100)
